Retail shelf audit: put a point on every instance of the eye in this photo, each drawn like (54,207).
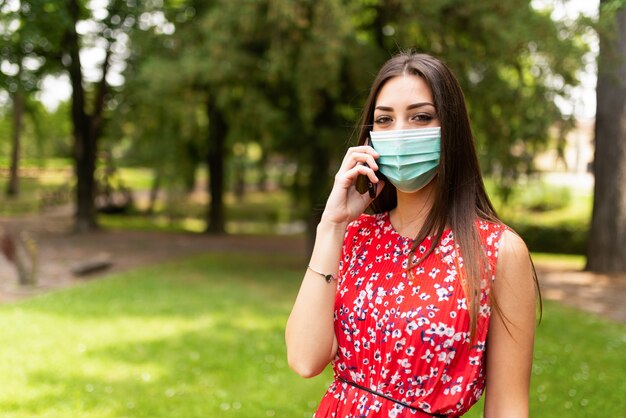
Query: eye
(382,120)
(422,117)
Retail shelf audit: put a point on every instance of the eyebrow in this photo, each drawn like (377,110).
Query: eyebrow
(409,107)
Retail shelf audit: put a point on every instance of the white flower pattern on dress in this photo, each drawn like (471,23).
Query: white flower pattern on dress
(407,339)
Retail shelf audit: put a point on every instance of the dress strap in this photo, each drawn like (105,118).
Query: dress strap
(389,398)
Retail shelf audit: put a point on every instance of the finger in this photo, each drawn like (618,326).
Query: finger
(359,158)
(357,170)
(363,149)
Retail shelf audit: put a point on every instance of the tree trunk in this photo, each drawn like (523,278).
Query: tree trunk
(154,191)
(87,127)
(607,241)
(84,143)
(85,160)
(216,138)
(18,113)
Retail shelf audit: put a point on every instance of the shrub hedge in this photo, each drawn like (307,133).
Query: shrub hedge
(565,237)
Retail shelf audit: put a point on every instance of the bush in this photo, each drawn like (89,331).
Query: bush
(566,237)
(544,198)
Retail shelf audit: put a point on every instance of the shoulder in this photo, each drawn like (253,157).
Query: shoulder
(515,271)
(512,248)
(503,245)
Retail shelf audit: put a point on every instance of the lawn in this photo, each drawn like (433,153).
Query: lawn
(204,338)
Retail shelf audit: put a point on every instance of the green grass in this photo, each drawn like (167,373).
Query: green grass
(204,338)
(151,223)
(136,178)
(257,213)
(40,163)
(579,365)
(32,191)
(561,261)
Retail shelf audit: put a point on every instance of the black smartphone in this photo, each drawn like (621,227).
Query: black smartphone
(371,187)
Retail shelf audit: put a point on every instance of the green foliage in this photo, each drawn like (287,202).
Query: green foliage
(543,198)
(45,133)
(291,76)
(567,237)
(205,338)
(550,218)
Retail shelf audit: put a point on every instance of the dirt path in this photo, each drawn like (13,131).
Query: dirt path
(60,250)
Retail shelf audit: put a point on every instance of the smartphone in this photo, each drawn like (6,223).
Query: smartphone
(371,187)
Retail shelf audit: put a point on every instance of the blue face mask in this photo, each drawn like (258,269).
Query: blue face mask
(408,158)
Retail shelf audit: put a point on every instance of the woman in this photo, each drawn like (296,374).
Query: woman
(401,301)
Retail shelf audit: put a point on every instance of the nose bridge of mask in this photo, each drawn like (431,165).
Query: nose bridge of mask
(406,133)
(412,135)
(407,146)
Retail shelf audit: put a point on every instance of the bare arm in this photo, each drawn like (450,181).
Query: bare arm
(311,342)
(310,335)
(510,352)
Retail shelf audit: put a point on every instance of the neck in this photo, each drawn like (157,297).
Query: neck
(409,215)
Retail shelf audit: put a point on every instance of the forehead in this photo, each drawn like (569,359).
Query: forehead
(404,90)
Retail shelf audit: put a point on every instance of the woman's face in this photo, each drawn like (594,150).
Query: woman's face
(405,102)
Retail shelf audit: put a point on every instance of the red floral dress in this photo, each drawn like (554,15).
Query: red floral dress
(406,338)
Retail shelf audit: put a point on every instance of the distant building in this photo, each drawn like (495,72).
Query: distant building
(578,152)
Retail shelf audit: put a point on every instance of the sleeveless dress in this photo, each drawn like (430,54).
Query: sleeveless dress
(405,337)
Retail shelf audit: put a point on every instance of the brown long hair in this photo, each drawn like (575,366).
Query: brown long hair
(460,198)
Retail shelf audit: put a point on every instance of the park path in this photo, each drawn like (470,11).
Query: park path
(59,250)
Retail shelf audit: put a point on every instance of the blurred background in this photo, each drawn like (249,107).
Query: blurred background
(205,134)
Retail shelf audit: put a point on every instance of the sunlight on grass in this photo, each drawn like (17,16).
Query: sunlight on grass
(56,178)
(136,178)
(196,339)
(563,261)
(205,338)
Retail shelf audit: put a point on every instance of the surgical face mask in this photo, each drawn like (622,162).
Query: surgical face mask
(408,158)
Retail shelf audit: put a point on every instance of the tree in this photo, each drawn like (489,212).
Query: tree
(510,77)
(55,33)
(191,126)
(88,119)
(292,76)
(20,81)
(607,240)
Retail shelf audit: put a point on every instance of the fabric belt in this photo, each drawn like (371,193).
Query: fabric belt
(389,398)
